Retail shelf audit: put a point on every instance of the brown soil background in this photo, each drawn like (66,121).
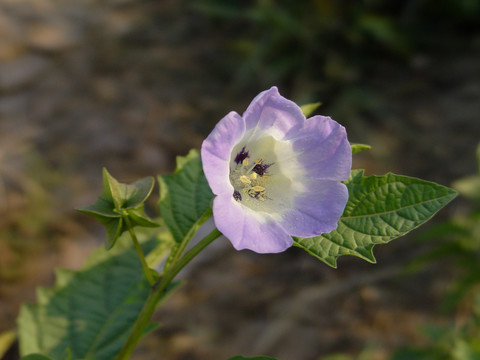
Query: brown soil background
(129,86)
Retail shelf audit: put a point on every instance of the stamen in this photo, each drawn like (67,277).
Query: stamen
(237,196)
(245,179)
(258,195)
(245,162)
(242,155)
(261,169)
(258,188)
(253,175)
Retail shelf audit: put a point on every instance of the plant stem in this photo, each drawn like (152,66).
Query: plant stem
(158,291)
(141,255)
(179,250)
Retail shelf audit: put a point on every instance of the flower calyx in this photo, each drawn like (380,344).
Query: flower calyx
(121,204)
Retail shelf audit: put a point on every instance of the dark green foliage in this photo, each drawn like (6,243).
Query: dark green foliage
(290,43)
(89,312)
(445,343)
(185,197)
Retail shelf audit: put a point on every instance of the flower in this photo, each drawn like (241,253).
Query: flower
(276,174)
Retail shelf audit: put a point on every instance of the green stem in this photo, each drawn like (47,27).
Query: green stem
(157,292)
(178,251)
(141,255)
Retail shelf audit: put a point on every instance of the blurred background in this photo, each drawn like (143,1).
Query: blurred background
(130,84)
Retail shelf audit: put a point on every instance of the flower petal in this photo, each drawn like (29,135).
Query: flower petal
(216,150)
(247,229)
(270,110)
(323,149)
(317,211)
(299,195)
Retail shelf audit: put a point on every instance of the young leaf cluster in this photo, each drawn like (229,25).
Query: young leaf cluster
(121,206)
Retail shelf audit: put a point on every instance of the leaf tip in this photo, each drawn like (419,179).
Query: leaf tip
(308,109)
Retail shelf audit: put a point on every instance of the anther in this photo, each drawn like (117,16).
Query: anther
(237,196)
(258,188)
(242,155)
(244,179)
(261,169)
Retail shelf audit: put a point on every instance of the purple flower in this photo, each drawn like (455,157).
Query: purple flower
(276,174)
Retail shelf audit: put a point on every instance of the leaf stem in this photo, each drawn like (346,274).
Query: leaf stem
(141,255)
(158,291)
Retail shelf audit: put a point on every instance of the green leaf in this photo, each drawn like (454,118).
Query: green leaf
(308,109)
(103,208)
(185,197)
(90,311)
(115,228)
(356,148)
(166,243)
(379,209)
(240,357)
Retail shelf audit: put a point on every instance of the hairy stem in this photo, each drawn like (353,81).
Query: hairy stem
(158,291)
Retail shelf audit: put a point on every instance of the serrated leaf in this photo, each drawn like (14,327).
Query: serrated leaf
(240,357)
(185,197)
(356,148)
(90,311)
(379,209)
(308,109)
